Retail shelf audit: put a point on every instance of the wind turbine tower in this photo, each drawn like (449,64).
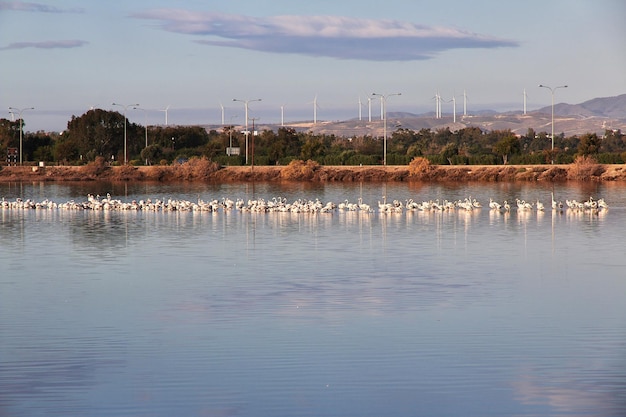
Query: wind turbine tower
(282,115)
(437,105)
(453,109)
(222,107)
(525,102)
(165,110)
(464,103)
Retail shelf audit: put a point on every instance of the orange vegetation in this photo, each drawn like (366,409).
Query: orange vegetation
(202,169)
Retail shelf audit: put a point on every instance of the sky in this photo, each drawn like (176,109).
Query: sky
(303,59)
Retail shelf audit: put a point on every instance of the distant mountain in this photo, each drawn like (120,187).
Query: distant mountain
(610,107)
(593,116)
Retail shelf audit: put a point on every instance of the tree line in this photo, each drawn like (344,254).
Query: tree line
(100,133)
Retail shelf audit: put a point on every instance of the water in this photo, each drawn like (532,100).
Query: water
(342,314)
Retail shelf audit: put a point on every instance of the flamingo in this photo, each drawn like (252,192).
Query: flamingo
(494,205)
(540,206)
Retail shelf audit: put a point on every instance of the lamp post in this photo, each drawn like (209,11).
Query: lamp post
(145,113)
(245,102)
(230,135)
(253,134)
(552,92)
(125,106)
(19,116)
(383,100)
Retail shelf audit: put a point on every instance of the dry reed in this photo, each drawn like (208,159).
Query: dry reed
(585,168)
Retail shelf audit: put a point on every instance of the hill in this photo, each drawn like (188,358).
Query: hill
(607,107)
(592,116)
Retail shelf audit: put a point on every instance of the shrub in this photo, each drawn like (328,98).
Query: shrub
(95,168)
(126,173)
(196,168)
(419,167)
(299,170)
(584,168)
(610,158)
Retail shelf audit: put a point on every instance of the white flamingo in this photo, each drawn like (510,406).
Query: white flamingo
(540,206)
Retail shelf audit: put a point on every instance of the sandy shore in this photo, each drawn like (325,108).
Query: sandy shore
(594,172)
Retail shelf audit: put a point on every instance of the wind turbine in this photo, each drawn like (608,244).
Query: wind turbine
(464,103)
(437,98)
(525,96)
(222,107)
(282,115)
(315,106)
(165,110)
(369,107)
(453,108)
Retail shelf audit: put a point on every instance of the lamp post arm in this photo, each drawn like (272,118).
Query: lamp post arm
(19,116)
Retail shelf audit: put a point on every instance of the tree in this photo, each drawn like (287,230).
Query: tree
(9,134)
(448,151)
(152,154)
(613,141)
(100,133)
(34,146)
(312,148)
(589,144)
(506,146)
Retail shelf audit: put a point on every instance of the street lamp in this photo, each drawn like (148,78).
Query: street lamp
(19,116)
(253,134)
(145,113)
(125,108)
(383,99)
(245,102)
(230,135)
(552,92)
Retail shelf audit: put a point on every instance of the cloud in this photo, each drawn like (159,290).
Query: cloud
(324,36)
(45,45)
(21,6)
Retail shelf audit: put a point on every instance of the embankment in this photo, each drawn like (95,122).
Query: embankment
(207,171)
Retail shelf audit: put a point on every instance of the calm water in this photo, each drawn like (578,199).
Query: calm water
(342,314)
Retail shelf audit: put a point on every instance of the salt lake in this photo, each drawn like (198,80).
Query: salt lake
(232,313)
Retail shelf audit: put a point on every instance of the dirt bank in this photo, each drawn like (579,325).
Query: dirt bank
(313,172)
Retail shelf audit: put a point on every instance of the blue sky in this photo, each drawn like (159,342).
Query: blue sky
(64,57)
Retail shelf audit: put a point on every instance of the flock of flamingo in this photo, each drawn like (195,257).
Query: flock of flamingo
(280,204)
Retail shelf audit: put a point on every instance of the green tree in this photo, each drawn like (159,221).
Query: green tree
(32,142)
(9,134)
(507,146)
(312,148)
(613,141)
(152,154)
(589,144)
(101,133)
(449,151)
(66,149)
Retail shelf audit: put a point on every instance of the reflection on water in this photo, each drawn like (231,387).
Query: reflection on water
(345,313)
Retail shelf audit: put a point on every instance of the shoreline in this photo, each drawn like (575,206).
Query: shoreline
(312,172)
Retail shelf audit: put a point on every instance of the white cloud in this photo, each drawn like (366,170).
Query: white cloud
(46,45)
(21,6)
(328,36)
